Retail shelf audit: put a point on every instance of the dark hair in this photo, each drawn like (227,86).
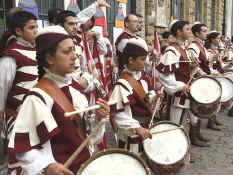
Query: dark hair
(41,61)
(93,22)
(165,35)
(197,28)
(9,16)
(209,39)
(61,17)
(232,38)
(138,15)
(20,19)
(53,13)
(179,25)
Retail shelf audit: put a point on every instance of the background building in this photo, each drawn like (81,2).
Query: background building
(217,14)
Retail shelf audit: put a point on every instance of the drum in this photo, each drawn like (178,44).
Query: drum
(205,95)
(167,151)
(228,74)
(227,91)
(114,162)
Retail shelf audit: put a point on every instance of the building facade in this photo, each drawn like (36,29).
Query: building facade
(217,14)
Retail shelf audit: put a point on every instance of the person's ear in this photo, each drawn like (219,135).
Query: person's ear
(49,59)
(130,59)
(18,31)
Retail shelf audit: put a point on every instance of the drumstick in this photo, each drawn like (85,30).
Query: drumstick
(156,107)
(84,143)
(158,132)
(94,107)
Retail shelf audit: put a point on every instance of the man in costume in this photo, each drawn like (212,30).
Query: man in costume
(18,73)
(176,71)
(197,50)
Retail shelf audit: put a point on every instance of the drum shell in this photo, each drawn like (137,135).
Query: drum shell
(113,150)
(205,110)
(227,104)
(171,168)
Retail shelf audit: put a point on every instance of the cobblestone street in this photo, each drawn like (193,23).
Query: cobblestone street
(215,160)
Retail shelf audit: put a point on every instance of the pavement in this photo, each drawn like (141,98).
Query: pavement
(214,160)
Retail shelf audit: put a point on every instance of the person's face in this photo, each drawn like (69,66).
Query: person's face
(132,24)
(140,24)
(216,41)
(138,64)
(29,31)
(185,33)
(63,61)
(203,33)
(70,25)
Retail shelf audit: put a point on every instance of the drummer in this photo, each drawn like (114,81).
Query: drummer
(42,138)
(217,66)
(134,95)
(176,71)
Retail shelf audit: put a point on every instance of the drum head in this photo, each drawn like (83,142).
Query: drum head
(227,89)
(205,90)
(169,147)
(114,162)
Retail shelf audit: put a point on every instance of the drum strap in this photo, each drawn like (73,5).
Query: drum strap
(137,88)
(56,93)
(182,51)
(200,48)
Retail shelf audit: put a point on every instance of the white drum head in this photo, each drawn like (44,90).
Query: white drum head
(205,90)
(227,89)
(114,164)
(168,147)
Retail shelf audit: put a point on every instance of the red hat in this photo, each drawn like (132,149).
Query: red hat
(49,36)
(136,47)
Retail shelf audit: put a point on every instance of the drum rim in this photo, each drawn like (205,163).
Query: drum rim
(218,99)
(221,85)
(113,150)
(186,134)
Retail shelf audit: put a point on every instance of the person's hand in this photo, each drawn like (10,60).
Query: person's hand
(92,34)
(104,110)
(83,83)
(103,3)
(185,89)
(57,169)
(143,133)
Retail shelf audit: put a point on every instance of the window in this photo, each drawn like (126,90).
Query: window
(197,10)
(176,9)
(44,6)
(5,5)
(213,3)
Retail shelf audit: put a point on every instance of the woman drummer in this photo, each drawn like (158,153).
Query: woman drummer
(43,139)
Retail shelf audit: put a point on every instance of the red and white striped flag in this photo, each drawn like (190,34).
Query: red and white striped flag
(154,73)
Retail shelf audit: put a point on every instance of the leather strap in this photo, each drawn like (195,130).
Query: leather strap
(56,93)
(11,112)
(200,48)
(182,51)
(137,88)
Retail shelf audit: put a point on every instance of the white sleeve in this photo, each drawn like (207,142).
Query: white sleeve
(84,15)
(122,45)
(35,160)
(8,70)
(125,119)
(171,86)
(102,46)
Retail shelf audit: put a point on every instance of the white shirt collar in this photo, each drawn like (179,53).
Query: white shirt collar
(136,74)
(59,80)
(25,43)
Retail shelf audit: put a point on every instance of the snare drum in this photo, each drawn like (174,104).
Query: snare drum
(205,94)
(228,74)
(227,91)
(114,162)
(167,151)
